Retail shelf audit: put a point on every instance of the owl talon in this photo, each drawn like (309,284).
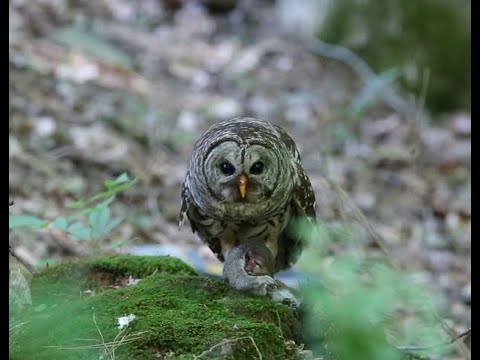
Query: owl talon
(266,281)
(265,284)
(283,295)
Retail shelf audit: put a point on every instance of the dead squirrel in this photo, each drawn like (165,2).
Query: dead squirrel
(250,267)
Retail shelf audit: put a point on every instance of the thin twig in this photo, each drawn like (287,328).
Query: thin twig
(107,350)
(348,57)
(229,341)
(279,323)
(361,219)
(15,255)
(429,347)
(13,327)
(95,346)
(108,347)
(12,330)
(461,346)
(21,261)
(419,119)
(131,337)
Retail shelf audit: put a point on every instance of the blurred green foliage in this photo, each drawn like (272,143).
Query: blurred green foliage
(415,36)
(92,221)
(358,308)
(81,40)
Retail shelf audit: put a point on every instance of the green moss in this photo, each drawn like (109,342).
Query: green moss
(97,273)
(136,266)
(181,314)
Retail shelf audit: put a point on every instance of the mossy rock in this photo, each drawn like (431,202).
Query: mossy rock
(178,314)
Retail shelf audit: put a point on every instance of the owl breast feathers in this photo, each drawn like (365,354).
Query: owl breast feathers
(245,183)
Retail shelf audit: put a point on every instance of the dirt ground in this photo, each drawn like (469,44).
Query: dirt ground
(103,87)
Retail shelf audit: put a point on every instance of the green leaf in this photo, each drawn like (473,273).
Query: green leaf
(93,45)
(80,231)
(109,184)
(106,194)
(139,219)
(76,204)
(98,220)
(27,221)
(60,223)
(117,244)
(370,91)
(86,211)
(123,186)
(112,224)
(123,178)
(119,184)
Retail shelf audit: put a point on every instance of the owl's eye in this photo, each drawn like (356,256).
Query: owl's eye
(227,168)
(257,168)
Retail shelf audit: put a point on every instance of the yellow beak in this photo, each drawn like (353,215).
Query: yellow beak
(242,185)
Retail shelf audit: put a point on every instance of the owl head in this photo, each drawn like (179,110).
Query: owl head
(242,168)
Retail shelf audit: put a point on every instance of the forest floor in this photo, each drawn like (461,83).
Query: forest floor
(105,87)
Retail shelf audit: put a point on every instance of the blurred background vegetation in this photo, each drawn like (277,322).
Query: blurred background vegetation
(413,36)
(375,93)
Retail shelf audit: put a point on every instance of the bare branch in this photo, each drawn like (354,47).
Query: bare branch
(21,261)
(363,70)
(409,348)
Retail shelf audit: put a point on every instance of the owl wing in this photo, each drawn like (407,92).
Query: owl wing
(303,220)
(198,221)
(185,202)
(290,146)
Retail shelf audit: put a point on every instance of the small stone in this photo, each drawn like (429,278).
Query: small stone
(467,294)
(365,201)
(187,120)
(224,108)
(45,126)
(462,124)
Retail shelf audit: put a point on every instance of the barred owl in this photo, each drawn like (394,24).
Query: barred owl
(245,183)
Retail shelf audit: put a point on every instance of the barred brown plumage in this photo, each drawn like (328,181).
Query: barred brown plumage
(245,183)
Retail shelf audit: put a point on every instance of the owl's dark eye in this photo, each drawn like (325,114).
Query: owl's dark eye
(227,168)
(257,168)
